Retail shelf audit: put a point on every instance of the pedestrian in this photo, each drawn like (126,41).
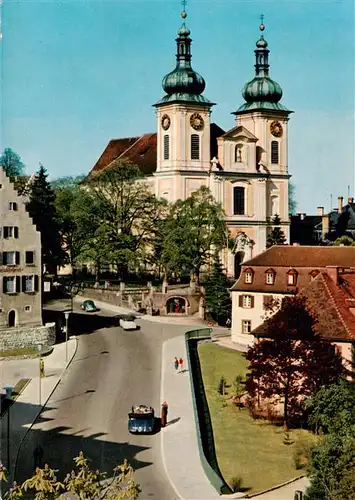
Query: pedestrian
(181,363)
(176,363)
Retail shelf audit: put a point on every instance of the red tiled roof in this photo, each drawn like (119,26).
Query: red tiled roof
(142,151)
(304,256)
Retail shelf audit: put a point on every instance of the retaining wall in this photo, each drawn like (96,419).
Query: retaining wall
(23,337)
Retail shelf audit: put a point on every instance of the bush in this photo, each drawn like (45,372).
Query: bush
(236,484)
(302,452)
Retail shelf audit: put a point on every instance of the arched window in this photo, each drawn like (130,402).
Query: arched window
(274,152)
(166,147)
(195,147)
(275,205)
(238,157)
(238,200)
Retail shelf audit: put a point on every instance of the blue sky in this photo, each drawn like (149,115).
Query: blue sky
(76,74)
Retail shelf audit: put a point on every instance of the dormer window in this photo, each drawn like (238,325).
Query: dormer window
(292,277)
(248,276)
(270,277)
(314,273)
(238,153)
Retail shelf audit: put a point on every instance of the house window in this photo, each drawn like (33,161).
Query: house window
(238,153)
(13,206)
(28,285)
(246,326)
(247,301)
(10,258)
(292,278)
(166,147)
(274,152)
(314,274)
(27,308)
(10,232)
(29,257)
(270,277)
(248,277)
(195,147)
(9,284)
(238,200)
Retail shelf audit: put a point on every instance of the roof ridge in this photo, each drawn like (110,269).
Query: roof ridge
(334,303)
(130,147)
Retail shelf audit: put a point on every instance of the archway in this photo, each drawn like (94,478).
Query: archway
(238,259)
(176,305)
(12,318)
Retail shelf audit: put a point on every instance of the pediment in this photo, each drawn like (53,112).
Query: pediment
(240,133)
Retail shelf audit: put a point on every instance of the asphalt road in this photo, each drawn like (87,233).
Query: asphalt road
(112,370)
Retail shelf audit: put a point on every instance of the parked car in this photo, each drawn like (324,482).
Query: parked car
(89,306)
(141,419)
(128,323)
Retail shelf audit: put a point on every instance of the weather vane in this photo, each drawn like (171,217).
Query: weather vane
(183,4)
(262,25)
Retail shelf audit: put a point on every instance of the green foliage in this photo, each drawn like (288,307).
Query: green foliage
(277,236)
(292,203)
(11,163)
(80,483)
(346,241)
(301,452)
(67,182)
(222,386)
(217,296)
(236,484)
(193,228)
(41,207)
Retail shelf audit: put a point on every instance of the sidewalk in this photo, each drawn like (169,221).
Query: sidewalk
(28,406)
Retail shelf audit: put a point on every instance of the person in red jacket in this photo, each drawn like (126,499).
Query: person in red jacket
(181,364)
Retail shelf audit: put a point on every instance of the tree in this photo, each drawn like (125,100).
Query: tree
(80,483)
(277,236)
(67,182)
(127,215)
(292,203)
(332,465)
(11,163)
(194,230)
(41,207)
(292,362)
(217,296)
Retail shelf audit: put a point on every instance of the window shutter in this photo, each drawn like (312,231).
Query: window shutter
(4,258)
(4,284)
(16,232)
(36,283)
(17,258)
(6,232)
(23,283)
(18,284)
(252,301)
(240,300)
(195,147)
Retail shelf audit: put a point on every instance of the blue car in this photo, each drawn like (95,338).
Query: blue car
(141,420)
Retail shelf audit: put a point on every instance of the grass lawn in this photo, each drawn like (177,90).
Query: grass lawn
(252,450)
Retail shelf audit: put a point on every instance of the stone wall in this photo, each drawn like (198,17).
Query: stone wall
(17,338)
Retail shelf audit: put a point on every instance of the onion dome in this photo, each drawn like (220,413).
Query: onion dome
(183,83)
(262,92)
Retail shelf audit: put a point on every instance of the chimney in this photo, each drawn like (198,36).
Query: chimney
(320,210)
(350,200)
(340,204)
(333,273)
(302,216)
(325,226)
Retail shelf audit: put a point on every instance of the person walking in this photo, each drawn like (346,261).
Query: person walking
(181,363)
(176,364)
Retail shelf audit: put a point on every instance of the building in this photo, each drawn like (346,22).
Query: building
(278,272)
(246,167)
(20,273)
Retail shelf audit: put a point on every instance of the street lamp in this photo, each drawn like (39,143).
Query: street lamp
(39,349)
(8,390)
(66,314)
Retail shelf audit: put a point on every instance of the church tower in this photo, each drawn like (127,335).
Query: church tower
(254,156)
(183,127)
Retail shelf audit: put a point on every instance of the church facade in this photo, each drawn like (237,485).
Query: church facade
(246,167)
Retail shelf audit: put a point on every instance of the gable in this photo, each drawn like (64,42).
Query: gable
(240,133)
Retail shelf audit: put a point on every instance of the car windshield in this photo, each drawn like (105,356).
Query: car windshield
(141,423)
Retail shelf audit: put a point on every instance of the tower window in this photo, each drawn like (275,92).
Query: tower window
(274,152)
(238,200)
(238,153)
(166,147)
(195,147)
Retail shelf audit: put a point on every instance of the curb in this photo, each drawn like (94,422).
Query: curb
(161,430)
(41,409)
(277,487)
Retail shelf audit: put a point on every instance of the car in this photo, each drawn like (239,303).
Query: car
(141,419)
(89,306)
(128,323)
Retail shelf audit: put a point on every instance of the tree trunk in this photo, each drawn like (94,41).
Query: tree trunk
(286,406)
(97,272)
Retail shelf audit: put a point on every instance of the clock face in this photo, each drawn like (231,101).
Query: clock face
(165,122)
(276,129)
(196,121)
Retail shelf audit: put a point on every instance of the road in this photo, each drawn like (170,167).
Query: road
(111,371)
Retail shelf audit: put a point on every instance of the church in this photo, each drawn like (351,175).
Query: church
(246,167)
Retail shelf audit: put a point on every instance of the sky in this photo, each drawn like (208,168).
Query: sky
(75,74)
